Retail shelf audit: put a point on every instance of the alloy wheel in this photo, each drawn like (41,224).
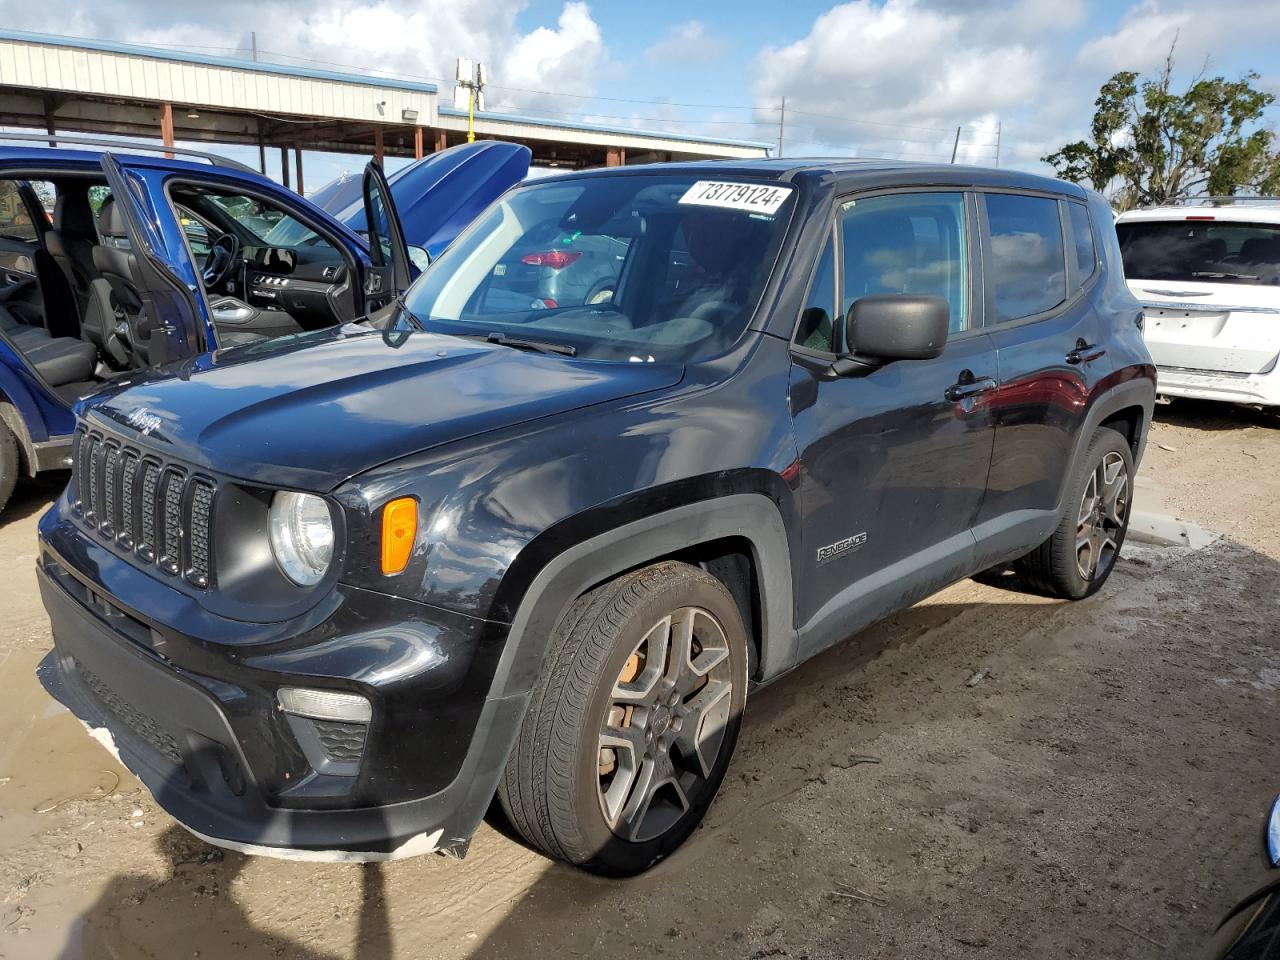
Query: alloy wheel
(665,724)
(1104,507)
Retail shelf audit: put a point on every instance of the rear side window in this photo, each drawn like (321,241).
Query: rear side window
(1027,267)
(1203,251)
(1082,240)
(909,243)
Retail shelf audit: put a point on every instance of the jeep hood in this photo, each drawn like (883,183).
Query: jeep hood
(313,410)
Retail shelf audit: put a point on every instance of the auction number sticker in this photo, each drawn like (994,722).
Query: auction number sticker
(751,197)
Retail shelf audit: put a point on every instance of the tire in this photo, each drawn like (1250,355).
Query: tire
(573,789)
(9,464)
(1078,558)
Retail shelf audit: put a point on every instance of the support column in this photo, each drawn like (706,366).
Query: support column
(284,166)
(51,128)
(166,125)
(442,141)
(417,143)
(297,156)
(262,151)
(377,146)
(615,157)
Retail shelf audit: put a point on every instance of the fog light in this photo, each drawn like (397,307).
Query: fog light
(325,704)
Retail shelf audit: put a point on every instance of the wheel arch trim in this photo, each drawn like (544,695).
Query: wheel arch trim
(750,516)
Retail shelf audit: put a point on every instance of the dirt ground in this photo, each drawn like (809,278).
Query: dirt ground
(1098,792)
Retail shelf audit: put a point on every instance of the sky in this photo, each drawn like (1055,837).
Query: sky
(892,78)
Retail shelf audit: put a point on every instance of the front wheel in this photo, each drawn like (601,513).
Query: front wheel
(1077,559)
(632,723)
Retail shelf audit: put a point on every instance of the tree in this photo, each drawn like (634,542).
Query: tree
(1150,145)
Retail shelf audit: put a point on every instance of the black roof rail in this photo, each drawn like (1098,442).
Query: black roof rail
(127,146)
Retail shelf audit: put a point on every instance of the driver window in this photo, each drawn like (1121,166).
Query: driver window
(909,243)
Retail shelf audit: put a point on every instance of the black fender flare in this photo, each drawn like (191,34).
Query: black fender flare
(1137,392)
(569,574)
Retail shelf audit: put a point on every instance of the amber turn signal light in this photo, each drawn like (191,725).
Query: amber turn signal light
(399,528)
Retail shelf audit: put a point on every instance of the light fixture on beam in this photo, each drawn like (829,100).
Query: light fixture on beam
(409,115)
(193,114)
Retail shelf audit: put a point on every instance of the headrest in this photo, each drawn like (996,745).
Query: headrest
(111,221)
(72,214)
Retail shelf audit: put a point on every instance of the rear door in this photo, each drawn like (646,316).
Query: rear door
(1209,290)
(175,322)
(1048,340)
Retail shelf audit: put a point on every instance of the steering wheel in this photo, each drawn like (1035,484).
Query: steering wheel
(221,260)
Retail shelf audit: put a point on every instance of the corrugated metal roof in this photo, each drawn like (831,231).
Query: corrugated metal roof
(181,56)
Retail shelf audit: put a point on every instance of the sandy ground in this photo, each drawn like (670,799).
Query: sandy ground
(1098,793)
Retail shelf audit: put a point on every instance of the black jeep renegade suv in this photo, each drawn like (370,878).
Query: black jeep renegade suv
(329,594)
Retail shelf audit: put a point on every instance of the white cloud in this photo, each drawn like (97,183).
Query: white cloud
(411,38)
(688,42)
(873,70)
(1204,31)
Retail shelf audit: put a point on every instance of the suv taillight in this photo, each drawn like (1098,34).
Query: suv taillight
(555,259)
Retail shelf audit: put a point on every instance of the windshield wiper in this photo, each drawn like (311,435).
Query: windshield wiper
(1223,275)
(538,346)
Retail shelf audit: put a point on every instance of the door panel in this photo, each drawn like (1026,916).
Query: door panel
(1048,365)
(176,323)
(390,274)
(894,462)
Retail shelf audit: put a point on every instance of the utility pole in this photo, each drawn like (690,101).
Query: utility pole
(955,147)
(253,43)
(471,78)
(999,124)
(782,123)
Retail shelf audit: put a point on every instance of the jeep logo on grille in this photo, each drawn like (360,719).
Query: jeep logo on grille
(144,421)
(841,547)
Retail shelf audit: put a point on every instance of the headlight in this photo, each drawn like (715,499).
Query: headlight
(301,536)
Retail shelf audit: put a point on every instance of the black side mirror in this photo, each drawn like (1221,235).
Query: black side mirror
(898,326)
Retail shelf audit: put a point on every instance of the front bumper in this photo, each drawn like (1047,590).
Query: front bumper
(1255,388)
(197,722)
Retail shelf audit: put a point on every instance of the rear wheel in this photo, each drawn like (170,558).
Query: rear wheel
(9,463)
(630,729)
(1077,559)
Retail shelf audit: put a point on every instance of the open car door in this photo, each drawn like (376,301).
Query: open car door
(145,312)
(390,274)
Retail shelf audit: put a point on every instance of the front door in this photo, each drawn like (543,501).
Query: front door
(390,275)
(154,310)
(894,462)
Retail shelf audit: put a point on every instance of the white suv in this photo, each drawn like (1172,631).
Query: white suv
(1209,281)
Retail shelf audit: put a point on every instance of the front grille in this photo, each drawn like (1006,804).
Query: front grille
(141,725)
(158,510)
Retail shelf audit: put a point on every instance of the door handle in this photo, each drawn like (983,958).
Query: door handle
(1084,352)
(969,386)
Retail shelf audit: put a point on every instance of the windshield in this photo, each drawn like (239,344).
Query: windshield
(1201,250)
(635,268)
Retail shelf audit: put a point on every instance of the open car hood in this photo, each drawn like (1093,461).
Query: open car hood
(436,196)
(312,410)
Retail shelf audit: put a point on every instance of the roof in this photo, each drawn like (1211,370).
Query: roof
(446,111)
(181,56)
(852,172)
(1259,212)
